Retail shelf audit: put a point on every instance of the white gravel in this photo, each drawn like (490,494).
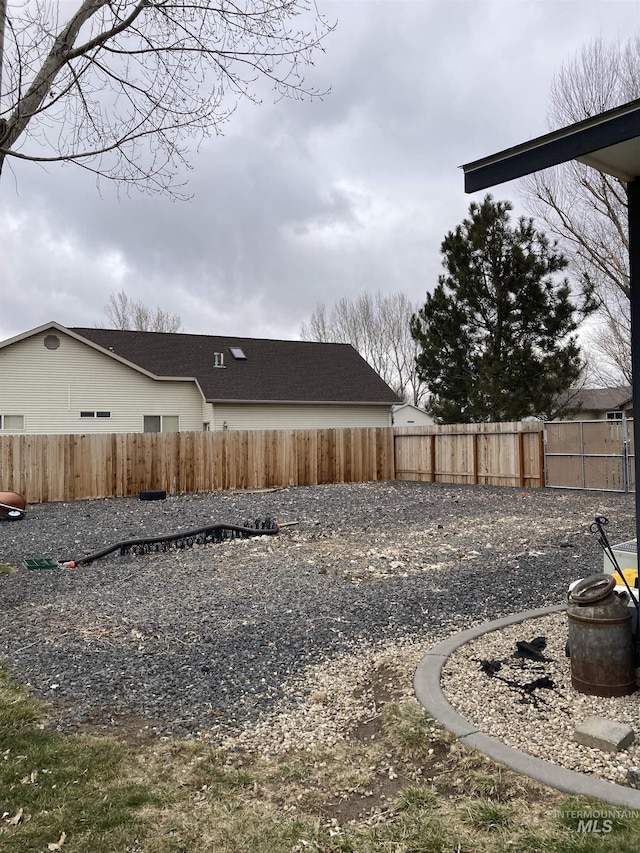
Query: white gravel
(541,724)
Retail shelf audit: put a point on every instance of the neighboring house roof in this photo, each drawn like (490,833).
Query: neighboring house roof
(272,371)
(601,399)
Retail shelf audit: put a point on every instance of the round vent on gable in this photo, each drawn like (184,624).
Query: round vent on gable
(52,342)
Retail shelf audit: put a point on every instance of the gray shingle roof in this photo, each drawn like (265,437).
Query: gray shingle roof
(601,399)
(273,371)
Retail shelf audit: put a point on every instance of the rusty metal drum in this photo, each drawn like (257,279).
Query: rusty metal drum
(600,639)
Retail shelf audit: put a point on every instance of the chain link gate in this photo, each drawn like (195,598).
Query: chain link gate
(596,455)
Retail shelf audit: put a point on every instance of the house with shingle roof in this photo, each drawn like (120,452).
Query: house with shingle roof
(60,380)
(598,404)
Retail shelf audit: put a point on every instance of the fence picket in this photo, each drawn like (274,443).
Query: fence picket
(74,467)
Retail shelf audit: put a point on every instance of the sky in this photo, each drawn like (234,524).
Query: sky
(305,202)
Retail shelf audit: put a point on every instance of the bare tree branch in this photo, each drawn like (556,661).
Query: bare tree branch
(125,313)
(123,77)
(378,327)
(586,209)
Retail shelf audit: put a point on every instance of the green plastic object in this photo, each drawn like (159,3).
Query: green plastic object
(39,563)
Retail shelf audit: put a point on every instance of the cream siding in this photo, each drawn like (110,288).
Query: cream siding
(51,387)
(207,415)
(409,415)
(298,416)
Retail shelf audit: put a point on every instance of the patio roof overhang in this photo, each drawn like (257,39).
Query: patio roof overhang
(610,142)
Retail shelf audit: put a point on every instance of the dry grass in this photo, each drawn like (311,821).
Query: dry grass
(396,782)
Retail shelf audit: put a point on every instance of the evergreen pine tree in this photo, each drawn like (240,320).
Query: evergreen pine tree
(497,334)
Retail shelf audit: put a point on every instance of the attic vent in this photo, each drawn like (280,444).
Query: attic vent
(237,353)
(52,342)
(218,359)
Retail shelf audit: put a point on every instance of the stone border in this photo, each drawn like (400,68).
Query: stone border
(429,693)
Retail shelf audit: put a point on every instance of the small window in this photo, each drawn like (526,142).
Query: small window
(237,353)
(52,342)
(92,414)
(161,423)
(12,422)
(170,423)
(614,416)
(152,423)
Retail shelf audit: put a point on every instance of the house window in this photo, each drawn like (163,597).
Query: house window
(12,422)
(92,414)
(161,423)
(614,416)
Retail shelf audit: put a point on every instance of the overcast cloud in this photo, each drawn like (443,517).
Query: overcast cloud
(304,202)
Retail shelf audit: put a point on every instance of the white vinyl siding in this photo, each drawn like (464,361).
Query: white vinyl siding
(409,415)
(298,416)
(52,388)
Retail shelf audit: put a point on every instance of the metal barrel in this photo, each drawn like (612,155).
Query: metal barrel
(600,639)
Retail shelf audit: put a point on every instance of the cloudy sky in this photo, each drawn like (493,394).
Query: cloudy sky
(303,202)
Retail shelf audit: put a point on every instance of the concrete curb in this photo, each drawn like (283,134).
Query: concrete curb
(426,683)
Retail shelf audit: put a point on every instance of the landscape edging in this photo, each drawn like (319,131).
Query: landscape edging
(429,693)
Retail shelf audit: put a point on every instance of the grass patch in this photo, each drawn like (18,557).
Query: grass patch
(6,569)
(489,816)
(412,788)
(51,784)
(411,731)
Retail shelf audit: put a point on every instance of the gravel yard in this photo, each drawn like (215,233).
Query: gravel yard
(217,641)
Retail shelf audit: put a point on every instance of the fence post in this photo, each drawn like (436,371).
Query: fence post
(520,438)
(432,456)
(474,463)
(541,469)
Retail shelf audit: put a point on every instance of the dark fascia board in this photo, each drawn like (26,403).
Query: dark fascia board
(592,139)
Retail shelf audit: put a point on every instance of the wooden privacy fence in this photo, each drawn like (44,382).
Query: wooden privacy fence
(494,454)
(75,467)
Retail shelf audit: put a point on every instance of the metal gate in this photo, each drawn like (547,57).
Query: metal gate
(589,455)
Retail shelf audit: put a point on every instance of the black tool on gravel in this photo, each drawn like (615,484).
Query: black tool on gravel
(184,539)
(531,650)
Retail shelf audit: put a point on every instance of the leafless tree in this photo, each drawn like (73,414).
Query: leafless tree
(102,85)
(125,313)
(378,327)
(586,209)
(610,360)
